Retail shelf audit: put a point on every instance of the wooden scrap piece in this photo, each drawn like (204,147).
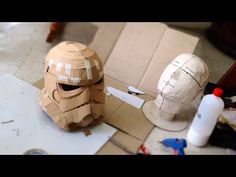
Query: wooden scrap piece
(87,132)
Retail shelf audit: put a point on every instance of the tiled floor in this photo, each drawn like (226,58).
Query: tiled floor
(23,46)
(20,52)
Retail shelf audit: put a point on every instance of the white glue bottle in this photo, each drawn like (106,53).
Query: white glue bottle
(206,118)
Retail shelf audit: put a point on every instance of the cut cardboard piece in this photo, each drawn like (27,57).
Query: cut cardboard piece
(112,103)
(132,121)
(128,141)
(39,84)
(123,144)
(111,149)
(124,116)
(109,81)
(133,51)
(139,61)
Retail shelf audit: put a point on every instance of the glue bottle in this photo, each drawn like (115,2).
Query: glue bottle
(206,118)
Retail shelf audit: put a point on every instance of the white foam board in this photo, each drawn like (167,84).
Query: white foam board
(31,128)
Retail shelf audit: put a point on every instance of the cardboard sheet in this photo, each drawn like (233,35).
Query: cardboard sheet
(124,116)
(111,149)
(133,51)
(143,51)
(132,121)
(130,143)
(25,126)
(105,38)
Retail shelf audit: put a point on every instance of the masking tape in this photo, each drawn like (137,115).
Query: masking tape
(68,69)
(96,64)
(46,93)
(44,108)
(62,78)
(50,63)
(58,67)
(88,69)
(75,79)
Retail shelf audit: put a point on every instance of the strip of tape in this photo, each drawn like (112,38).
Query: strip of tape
(50,63)
(62,78)
(96,64)
(88,69)
(68,69)
(58,67)
(75,79)
(46,93)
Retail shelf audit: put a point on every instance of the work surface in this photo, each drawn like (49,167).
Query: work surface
(134,129)
(24,126)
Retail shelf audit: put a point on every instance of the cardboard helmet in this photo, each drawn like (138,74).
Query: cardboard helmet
(73,86)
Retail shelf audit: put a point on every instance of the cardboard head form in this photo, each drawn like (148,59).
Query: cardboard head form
(73,95)
(180,83)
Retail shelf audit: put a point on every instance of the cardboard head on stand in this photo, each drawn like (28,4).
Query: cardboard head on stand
(180,83)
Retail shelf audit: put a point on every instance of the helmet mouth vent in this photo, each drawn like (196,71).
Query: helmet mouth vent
(66,87)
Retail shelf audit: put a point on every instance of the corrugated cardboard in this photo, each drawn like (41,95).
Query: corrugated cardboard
(130,143)
(141,53)
(133,52)
(111,149)
(81,115)
(124,116)
(108,34)
(132,121)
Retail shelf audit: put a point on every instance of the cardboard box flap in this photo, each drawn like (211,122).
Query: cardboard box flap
(105,38)
(133,51)
(39,84)
(131,120)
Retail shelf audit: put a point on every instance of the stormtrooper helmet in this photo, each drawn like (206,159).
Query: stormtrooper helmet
(73,86)
(180,83)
